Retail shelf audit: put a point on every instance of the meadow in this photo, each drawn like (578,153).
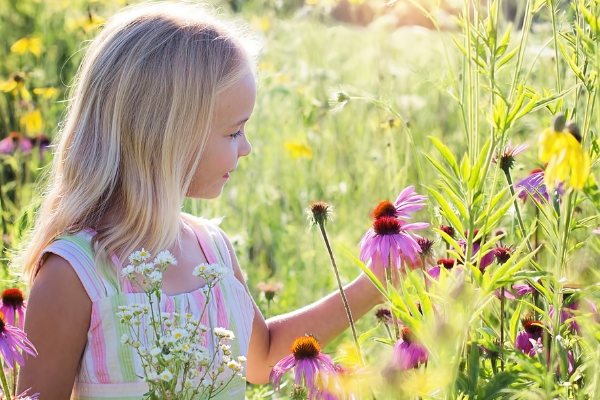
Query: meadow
(352,115)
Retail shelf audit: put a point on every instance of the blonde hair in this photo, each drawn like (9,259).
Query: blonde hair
(136,127)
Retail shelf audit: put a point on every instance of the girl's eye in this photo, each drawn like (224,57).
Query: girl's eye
(234,135)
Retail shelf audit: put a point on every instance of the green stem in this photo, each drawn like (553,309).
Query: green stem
(517,209)
(5,388)
(388,279)
(342,293)
(555,37)
(502,329)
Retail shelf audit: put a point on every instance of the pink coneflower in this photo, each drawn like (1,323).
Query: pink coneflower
(570,312)
(13,303)
(531,338)
(446,263)
(523,289)
(12,342)
(533,185)
(307,361)
(507,158)
(407,202)
(23,396)
(408,353)
(391,238)
(15,141)
(486,259)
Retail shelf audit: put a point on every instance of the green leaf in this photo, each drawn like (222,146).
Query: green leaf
(513,324)
(473,369)
(443,171)
(369,274)
(447,210)
(506,58)
(367,334)
(492,204)
(495,386)
(447,154)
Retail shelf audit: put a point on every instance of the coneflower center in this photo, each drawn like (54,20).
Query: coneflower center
(2,322)
(407,335)
(535,171)
(447,263)
(305,347)
(13,298)
(387,226)
(384,209)
(533,327)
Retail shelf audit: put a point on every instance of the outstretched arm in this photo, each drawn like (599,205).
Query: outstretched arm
(271,339)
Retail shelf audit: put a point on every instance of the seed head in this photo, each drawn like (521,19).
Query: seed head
(13,298)
(383,314)
(384,209)
(558,123)
(574,130)
(502,254)
(426,246)
(305,347)
(319,213)
(269,289)
(448,230)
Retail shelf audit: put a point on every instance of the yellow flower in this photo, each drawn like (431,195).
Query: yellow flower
(23,45)
(16,85)
(390,123)
(32,121)
(87,23)
(298,150)
(46,92)
(567,160)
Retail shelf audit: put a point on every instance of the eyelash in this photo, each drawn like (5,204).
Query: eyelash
(238,133)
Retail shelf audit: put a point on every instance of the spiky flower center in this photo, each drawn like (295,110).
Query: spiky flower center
(502,254)
(320,212)
(536,170)
(2,322)
(383,314)
(305,347)
(384,209)
(448,230)
(426,246)
(387,226)
(447,263)
(13,298)
(533,327)
(407,335)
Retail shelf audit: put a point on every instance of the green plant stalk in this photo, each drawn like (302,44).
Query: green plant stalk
(5,388)
(388,279)
(502,300)
(517,209)
(555,37)
(342,293)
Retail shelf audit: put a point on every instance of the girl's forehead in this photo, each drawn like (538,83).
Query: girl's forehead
(236,103)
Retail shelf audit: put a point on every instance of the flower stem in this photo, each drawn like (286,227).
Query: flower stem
(341,288)
(388,279)
(517,208)
(5,388)
(501,328)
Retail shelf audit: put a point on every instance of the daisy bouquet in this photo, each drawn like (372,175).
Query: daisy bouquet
(181,358)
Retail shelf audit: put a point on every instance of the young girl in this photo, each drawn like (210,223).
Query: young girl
(159,114)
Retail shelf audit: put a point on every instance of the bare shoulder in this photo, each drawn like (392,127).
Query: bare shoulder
(56,321)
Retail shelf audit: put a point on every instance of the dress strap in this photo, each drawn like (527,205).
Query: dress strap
(98,281)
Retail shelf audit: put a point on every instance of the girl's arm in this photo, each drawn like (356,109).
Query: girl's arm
(56,321)
(271,340)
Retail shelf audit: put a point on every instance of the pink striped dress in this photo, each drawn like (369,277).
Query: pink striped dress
(111,370)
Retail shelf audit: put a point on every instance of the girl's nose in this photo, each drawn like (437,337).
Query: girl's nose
(245,147)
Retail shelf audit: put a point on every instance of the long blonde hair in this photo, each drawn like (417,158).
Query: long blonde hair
(136,127)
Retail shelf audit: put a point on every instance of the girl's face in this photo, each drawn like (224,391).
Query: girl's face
(227,141)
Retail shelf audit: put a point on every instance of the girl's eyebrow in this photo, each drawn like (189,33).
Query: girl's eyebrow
(241,122)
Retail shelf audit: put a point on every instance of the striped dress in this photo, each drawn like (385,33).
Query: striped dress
(110,370)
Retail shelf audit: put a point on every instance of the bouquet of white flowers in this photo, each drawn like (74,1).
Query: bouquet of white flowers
(176,365)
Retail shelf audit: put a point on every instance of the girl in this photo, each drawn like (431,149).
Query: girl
(159,113)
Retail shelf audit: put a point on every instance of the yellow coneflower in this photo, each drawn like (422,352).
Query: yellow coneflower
(298,150)
(567,161)
(27,44)
(46,92)
(16,85)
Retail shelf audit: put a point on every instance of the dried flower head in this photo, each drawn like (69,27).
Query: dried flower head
(269,289)
(383,314)
(426,246)
(319,213)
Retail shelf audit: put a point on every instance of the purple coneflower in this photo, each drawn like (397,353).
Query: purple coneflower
(13,303)
(533,185)
(486,259)
(503,254)
(446,263)
(307,361)
(531,338)
(12,340)
(523,289)
(408,353)
(407,202)
(14,141)
(507,158)
(570,312)
(391,238)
